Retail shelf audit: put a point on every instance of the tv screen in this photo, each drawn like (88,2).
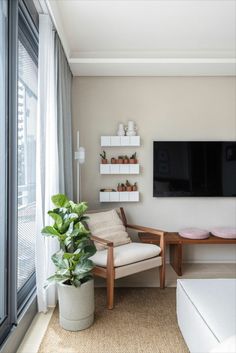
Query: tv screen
(194,168)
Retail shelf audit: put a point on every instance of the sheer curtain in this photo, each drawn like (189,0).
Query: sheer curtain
(54,148)
(47,170)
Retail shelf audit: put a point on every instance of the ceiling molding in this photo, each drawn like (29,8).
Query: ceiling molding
(107,59)
(164,67)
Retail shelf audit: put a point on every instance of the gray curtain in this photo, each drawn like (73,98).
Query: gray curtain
(63,83)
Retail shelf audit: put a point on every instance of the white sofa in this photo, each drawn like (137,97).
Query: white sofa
(206,312)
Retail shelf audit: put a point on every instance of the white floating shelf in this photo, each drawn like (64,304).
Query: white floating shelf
(115,196)
(119,168)
(116,141)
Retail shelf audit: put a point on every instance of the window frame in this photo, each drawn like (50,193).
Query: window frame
(20,307)
(28,35)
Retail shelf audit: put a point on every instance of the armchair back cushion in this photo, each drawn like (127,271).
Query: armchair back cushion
(109,226)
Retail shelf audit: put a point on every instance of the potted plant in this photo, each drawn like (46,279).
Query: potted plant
(128,186)
(113,160)
(135,187)
(120,160)
(119,187)
(133,159)
(123,187)
(73,266)
(103,157)
(126,160)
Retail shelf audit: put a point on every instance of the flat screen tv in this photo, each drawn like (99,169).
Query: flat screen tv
(194,168)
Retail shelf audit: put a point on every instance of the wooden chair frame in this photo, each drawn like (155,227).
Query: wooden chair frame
(108,272)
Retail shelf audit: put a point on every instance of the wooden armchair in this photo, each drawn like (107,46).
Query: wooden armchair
(106,260)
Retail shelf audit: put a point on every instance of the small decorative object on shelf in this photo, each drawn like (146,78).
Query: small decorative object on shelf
(135,187)
(119,187)
(130,129)
(121,130)
(120,160)
(126,160)
(128,186)
(123,187)
(133,159)
(103,157)
(113,160)
(107,190)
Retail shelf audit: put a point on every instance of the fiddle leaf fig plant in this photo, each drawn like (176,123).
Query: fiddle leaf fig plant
(72,263)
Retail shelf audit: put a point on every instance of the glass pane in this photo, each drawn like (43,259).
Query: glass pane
(3,111)
(27,114)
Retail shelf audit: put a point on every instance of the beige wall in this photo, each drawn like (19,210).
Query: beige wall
(166,108)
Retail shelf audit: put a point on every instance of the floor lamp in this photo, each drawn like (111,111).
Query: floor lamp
(80,158)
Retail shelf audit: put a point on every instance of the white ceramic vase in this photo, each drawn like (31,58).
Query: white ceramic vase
(76,306)
(121,130)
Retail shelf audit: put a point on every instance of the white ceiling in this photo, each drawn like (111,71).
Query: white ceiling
(133,38)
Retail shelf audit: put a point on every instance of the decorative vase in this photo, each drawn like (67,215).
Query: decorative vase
(121,130)
(76,306)
(131,129)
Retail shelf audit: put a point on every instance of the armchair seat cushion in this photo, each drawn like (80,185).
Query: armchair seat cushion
(127,254)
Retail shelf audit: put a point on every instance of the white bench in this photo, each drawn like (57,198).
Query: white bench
(206,312)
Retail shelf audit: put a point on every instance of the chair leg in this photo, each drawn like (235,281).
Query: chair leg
(110,290)
(162,276)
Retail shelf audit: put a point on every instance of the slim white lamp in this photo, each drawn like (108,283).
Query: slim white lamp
(80,158)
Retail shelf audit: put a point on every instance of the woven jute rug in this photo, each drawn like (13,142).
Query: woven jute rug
(142,321)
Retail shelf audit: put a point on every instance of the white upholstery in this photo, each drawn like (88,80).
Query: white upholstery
(127,254)
(109,226)
(206,311)
(136,267)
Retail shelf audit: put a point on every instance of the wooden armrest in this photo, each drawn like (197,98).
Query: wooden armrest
(153,231)
(146,229)
(102,241)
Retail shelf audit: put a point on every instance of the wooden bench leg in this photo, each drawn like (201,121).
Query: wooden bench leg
(176,258)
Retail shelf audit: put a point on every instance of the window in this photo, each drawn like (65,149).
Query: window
(3,143)
(27,117)
(18,101)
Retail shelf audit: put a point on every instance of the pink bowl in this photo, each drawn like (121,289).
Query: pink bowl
(194,233)
(224,232)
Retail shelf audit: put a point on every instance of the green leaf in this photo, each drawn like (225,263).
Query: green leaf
(57,218)
(78,208)
(83,267)
(49,231)
(59,261)
(53,279)
(60,200)
(81,228)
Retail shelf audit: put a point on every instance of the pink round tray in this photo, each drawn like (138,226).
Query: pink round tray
(194,233)
(224,232)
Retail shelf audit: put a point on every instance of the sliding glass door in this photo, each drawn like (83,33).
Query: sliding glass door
(18,116)
(27,117)
(3,162)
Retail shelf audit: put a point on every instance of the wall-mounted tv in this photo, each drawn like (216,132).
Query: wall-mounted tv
(204,168)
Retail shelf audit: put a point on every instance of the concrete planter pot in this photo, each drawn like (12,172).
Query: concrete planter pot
(76,306)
